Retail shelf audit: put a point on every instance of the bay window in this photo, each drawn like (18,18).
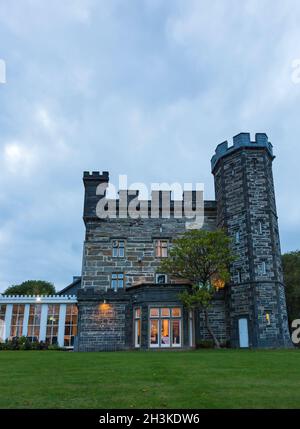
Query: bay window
(165,327)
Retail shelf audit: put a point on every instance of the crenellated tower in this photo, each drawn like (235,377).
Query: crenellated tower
(246,208)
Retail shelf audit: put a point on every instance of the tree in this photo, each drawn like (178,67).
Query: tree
(202,259)
(291,269)
(31,287)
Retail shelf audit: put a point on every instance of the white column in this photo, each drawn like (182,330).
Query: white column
(8,314)
(43,326)
(25,320)
(61,324)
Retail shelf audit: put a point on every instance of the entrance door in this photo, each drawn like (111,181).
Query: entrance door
(243,333)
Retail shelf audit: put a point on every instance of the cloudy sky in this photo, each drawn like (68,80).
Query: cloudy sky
(146,88)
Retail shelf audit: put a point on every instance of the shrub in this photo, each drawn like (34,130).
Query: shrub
(24,343)
(205,344)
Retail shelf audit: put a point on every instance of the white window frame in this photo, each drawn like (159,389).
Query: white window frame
(118,247)
(160,246)
(170,319)
(137,321)
(119,278)
(157,275)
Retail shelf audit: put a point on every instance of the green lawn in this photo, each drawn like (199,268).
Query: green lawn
(194,379)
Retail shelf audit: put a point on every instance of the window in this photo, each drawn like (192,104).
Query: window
(161,248)
(34,322)
(2,321)
(117,281)
(165,327)
(137,327)
(260,228)
(118,249)
(52,324)
(237,237)
(263,268)
(70,325)
(239,275)
(16,328)
(161,278)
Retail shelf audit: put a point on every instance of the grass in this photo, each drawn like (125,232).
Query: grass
(192,379)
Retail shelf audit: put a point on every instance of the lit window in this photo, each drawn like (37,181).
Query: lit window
(16,328)
(176,312)
(165,327)
(70,325)
(52,324)
(237,237)
(118,249)
(161,248)
(34,322)
(117,281)
(165,312)
(154,312)
(137,327)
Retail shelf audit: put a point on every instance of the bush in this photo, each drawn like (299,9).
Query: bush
(205,344)
(54,347)
(24,343)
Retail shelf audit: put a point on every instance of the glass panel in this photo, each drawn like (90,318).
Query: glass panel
(137,332)
(154,333)
(165,332)
(154,312)
(176,333)
(176,312)
(137,313)
(164,252)
(165,312)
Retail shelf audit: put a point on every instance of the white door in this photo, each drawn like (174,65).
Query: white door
(243,332)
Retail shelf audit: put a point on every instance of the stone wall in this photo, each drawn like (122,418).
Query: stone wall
(246,207)
(140,263)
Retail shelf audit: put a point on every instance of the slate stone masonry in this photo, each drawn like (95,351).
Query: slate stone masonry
(245,206)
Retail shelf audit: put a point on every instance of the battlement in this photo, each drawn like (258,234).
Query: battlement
(38,299)
(241,140)
(96,175)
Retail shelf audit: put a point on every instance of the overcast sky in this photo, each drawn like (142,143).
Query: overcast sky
(146,88)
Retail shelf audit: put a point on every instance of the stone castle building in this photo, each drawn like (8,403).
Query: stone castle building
(125,302)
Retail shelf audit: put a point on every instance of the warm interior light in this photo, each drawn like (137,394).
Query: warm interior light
(268,318)
(104,307)
(218,283)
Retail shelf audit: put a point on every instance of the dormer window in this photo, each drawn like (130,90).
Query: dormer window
(118,249)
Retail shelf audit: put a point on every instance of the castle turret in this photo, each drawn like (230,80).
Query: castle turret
(246,208)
